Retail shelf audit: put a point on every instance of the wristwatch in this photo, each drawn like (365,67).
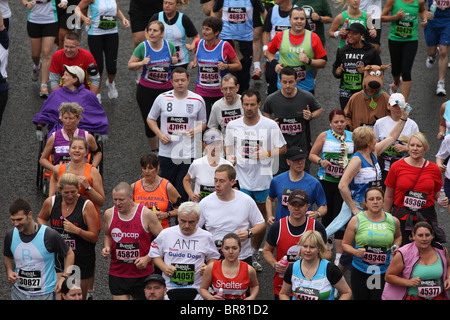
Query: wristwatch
(250,233)
(89,188)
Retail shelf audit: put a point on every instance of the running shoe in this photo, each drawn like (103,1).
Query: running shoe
(35,72)
(256,262)
(256,75)
(430,62)
(112,93)
(44,91)
(440,90)
(394,87)
(99,97)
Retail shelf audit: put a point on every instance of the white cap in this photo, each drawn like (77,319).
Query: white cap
(76,71)
(396,98)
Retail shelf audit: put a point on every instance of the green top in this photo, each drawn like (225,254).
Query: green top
(322,8)
(405,29)
(430,275)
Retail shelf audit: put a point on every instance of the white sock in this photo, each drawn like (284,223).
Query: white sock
(257,64)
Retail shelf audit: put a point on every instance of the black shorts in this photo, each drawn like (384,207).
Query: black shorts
(127,286)
(204,1)
(36,30)
(66,17)
(85,263)
(138,22)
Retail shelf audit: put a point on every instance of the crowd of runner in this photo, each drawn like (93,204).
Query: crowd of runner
(227,182)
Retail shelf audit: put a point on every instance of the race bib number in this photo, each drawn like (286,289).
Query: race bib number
(285,197)
(300,71)
(29,280)
(206,191)
(281,28)
(230,115)
(375,184)
(71,244)
(237,15)
(184,275)
(429,289)
(291,126)
(375,255)
(158,73)
(334,169)
(107,22)
(415,200)
(249,148)
(353,81)
(177,125)
(302,293)
(443,4)
(404,29)
(209,75)
(127,252)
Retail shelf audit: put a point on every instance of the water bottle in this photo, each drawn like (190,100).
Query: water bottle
(441,196)
(284,262)
(345,26)
(220,293)
(405,105)
(86,27)
(433,8)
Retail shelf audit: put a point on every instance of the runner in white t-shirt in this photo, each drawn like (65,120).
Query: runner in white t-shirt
(228,210)
(202,170)
(253,144)
(181,251)
(182,115)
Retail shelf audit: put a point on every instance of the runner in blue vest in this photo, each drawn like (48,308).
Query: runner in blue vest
(29,250)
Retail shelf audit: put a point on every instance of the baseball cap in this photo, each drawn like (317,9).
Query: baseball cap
(76,71)
(296,153)
(357,27)
(211,136)
(298,195)
(396,98)
(155,277)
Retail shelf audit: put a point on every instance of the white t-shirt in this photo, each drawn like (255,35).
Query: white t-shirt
(178,116)
(203,174)
(254,174)
(222,217)
(384,126)
(222,113)
(186,253)
(374,8)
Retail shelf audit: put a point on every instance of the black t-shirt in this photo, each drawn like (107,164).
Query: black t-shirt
(289,111)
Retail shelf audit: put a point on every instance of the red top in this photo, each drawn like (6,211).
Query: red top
(233,288)
(130,241)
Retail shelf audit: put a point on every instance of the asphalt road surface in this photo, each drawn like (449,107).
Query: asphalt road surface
(127,142)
